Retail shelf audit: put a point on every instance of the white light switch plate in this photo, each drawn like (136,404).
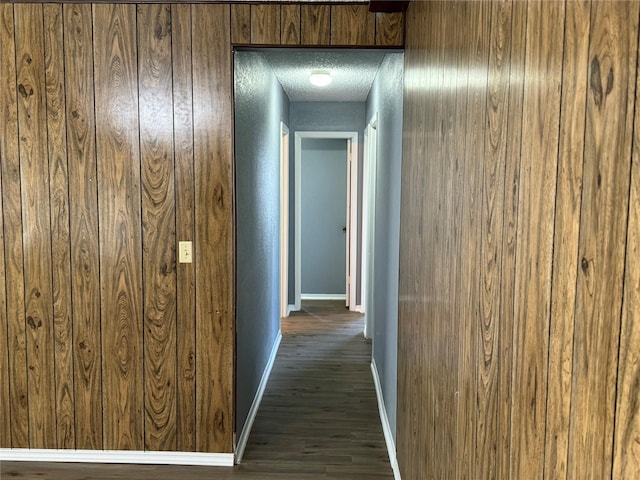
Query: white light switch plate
(185,252)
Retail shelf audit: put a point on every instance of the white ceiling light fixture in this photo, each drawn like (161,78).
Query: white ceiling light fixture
(320,78)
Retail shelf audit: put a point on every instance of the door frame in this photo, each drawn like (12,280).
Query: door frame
(369,184)
(284,220)
(352,212)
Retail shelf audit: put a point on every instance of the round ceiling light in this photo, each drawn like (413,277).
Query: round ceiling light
(320,78)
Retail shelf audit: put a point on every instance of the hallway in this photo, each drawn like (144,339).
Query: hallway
(318,418)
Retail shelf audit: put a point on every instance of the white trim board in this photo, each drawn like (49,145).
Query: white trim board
(116,456)
(323,296)
(386,428)
(253,411)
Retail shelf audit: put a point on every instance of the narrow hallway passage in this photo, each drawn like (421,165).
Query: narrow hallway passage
(319,417)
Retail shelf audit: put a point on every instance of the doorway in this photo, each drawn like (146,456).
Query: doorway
(350,216)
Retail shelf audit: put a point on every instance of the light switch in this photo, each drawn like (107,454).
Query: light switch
(185,252)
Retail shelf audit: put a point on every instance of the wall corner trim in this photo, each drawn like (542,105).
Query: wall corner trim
(386,428)
(253,411)
(116,456)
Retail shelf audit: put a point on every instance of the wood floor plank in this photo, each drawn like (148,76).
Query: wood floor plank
(34,175)
(185,224)
(83,209)
(60,240)
(603,222)
(5,399)
(566,233)
(158,220)
(117,136)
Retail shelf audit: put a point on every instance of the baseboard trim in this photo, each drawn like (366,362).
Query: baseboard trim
(116,456)
(253,411)
(384,419)
(323,296)
(358,308)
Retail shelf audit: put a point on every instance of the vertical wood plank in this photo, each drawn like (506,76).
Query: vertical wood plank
(290,25)
(185,222)
(389,29)
(545,22)
(509,236)
(5,399)
(352,25)
(265,24)
(60,241)
(315,24)
(34,175)
(241,23)
(495,151)
(12,213)
(608,139)
(158,220)
(119,218)
(566,233)
(83,209)
(214,235)
(626,460)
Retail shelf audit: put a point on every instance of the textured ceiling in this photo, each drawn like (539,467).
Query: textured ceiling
(353,72)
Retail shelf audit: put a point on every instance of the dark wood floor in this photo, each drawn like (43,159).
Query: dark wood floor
(318,418)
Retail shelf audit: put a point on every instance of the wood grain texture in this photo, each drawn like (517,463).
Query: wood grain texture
(389,29)
(603,220)
(214,235)
(265,24)
(352,25)
(315,21)
(626,453)
(240,23)
(34,178)
(185,225)
(541,112)
(566,234)
(495,151)
(83,209)
(12,213)
(60,240)
(290,25)
(5,399)
(509,234)
(120,231)
(158,221)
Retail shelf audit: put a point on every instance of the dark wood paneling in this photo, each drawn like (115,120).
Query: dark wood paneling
(626,455)
(567,221)
(607,161)
(83,209)
(315,23)
(352,25)
(491,229)
(60,240)
(213,250)
(12,213)
(265,24)
(159,223)
(290,25)
(240,23)
(185,224)
(389,29)
(34,178)
(120,231)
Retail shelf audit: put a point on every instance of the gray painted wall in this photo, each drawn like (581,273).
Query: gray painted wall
(385,98)
(260,105)
(327,117)
(324,214)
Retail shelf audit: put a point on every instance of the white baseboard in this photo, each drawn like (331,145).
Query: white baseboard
(358,308)
(291,308)
(386,428)
(116,456)
(323,296)
(253,411)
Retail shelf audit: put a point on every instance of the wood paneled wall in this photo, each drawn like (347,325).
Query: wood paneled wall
(115,144)
(519,346)
(315,25)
